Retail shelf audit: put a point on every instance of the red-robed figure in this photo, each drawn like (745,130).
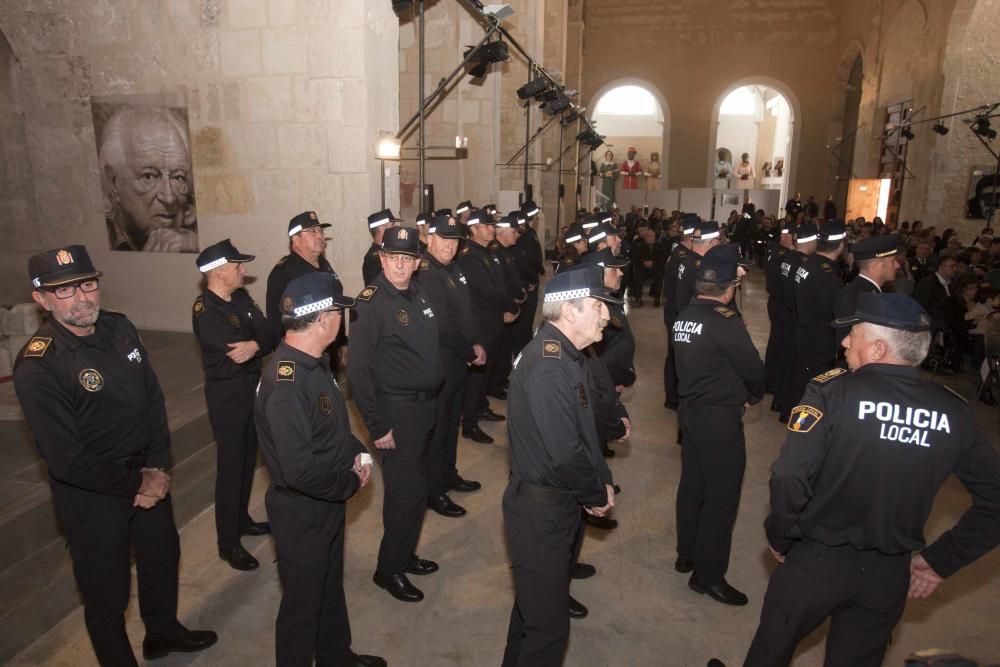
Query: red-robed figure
(630,171)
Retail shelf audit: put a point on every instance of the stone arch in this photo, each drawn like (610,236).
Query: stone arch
(796,121)
(17,192)
(664,107)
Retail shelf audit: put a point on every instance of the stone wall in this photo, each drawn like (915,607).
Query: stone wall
(285,99)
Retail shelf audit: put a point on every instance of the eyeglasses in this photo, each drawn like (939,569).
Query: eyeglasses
(67,291)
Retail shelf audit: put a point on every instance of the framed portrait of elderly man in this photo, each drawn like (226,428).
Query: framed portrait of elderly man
(144,155)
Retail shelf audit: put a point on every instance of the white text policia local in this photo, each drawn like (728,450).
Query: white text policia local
(908,425)
(683,331)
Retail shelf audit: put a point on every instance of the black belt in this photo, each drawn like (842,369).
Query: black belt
(412,396)
(542,494)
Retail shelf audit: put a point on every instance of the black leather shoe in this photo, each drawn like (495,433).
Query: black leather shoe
(420,566)
(491,416)
(608,452)
(399,587)
(576,610)
(684,565)
(464,485)
(720,592)
(239,558)
(715,662)
(255,528)
(189,642)
(602,522)
(476,434)
(499,394)
(444,506)
(583,571)
(358,660)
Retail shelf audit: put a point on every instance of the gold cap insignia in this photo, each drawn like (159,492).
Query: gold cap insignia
(286,371)
(37,347)
(91,380)
(403,317)
(403,234)
(63,257)
(325,403)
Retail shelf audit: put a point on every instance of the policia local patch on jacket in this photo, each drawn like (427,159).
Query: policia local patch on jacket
(803,418)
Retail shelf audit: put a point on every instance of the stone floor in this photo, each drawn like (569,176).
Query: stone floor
(641,611)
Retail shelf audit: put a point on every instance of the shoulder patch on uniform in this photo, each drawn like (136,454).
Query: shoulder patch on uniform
(829,375)
(367,293)
(286,371)
(616,322)
(725,312)
(946,388)
(826,266)
(37,346)
(681,251)
(281,262)
(551,349)
(803,418)
(424,264)
(697,263)
(466,250)
(199,306)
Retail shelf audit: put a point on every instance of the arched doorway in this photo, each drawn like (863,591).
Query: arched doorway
(755,117)
(631,113)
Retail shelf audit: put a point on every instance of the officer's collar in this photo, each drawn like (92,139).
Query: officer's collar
(571,351)
(897,370)
(286,352)
(321,260)
(433,260)
(392,289)
(67,339)
(212,296)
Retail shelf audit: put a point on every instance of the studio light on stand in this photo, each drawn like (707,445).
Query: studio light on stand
(906,133)
(981,126)
(940,128)
(388,148)
(533,88)
(492,52)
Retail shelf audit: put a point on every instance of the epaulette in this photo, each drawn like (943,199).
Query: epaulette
(551,349)
(682,251)
(466,250)
(424,264)
(281,262)
(37,347)
(826,266)
(823,378)
(367,293)
(725,312)
(199,306)
(286,371)
(946,388)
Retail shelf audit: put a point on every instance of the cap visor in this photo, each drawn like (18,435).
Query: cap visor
(415,253)
(242,258)
(845,321)
(72,278)
(345,302)
(607,298)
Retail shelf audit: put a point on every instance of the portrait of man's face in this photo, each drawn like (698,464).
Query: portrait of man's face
(148,188)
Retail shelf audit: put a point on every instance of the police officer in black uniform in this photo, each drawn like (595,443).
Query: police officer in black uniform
(806,236)
(503,249)
(775,310)
(532,249)
(864,456)
(575,240)
(689,224)
(234,337)
(395,374)
(719,374)
(875,261)
(378,223)
(818,283)
(706,237)
(316,465)
(617,347)
(493,307)
(556,465)
(96,410)
(448,291)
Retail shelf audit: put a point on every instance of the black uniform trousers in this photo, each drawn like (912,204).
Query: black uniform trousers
(815,352)
(230,411)
(787,366)
(542,536)
(312,619)
(404,478)
(101,531)
(864,593)
(713,459)
(526,322)
(775,345)
(505,357)
(475,401)
(442,452)
(640,275)
(670,371)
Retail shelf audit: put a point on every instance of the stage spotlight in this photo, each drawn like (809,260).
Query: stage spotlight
(492,52)
(906,133)
(940,129)
(981,126)
(569,118)
(555,106)
(387,148)
(533,88)
(591,138)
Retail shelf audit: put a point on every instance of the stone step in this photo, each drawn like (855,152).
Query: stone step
(37,589)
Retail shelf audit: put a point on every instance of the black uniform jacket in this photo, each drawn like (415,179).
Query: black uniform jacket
(608,408)
(773,274)
(687,273)
(217,323)
(847,300)
(371,266)
(487,286)
(617,348)
(394,349)
(864,456)
(528,241)
(717,363)
(94,405)
(670,283)
(303,428)
(289,267)
(550,425)
(448,291)
(789,268)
